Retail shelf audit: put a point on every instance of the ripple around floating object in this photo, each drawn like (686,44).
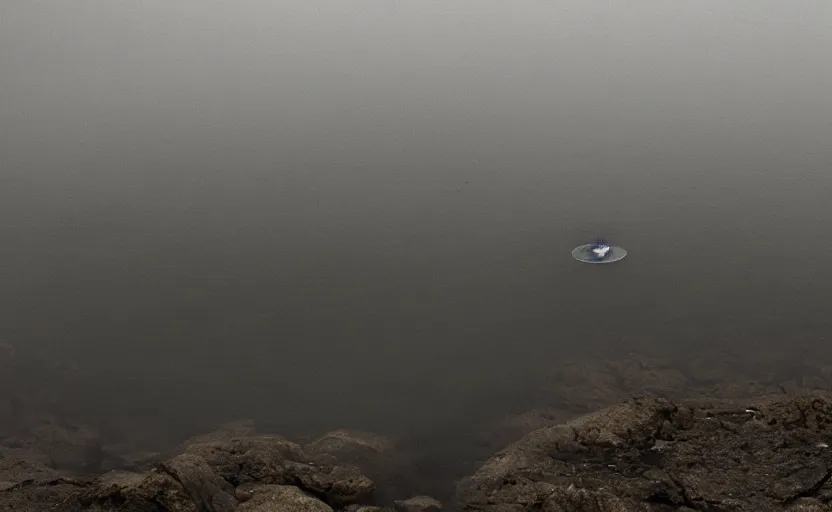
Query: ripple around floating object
(583,253)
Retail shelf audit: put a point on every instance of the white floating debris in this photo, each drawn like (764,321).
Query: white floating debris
(594,253)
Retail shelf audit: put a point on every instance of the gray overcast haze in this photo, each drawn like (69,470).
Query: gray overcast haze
(360,213)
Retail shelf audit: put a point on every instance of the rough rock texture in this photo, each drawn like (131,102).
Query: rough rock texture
(215,474)
(651,454)
(207,490)
(263,469)
(281,498)
(135,492)
(275,460)
(59,495)
(699,447)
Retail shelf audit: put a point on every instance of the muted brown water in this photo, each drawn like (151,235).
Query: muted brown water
(362,215)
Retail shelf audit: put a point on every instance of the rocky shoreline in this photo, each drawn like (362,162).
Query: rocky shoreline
(627,434)
(650,454)
(644,454)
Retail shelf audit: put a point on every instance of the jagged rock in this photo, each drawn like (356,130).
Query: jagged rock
(419,504)
(649,453)
(260,456)
(281,498)
(135,492)
(367,508)
(208,491)
(249,473)
(275,460)
(185,483)
(337,486)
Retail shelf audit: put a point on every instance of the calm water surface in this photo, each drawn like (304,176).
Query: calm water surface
(361,213)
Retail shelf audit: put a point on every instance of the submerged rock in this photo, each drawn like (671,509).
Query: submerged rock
(56,448)
(275,460)
(68,446)
(515,426)
(253,474)
(376,456)
(370,452)
(652,454)
(282,498)
(419,504)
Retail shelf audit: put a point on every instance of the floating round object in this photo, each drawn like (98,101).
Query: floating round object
(583,253)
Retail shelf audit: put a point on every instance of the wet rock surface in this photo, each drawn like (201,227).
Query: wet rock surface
(653,454)
(59,495)
(371,452)
(705,434)
(574,388)
(281,498)
(218,472)
(275,460)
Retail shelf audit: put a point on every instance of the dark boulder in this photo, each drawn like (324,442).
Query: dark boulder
(219,473)
(275,460)
(651,454)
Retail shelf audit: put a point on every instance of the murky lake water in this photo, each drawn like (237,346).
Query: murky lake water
(361,213)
